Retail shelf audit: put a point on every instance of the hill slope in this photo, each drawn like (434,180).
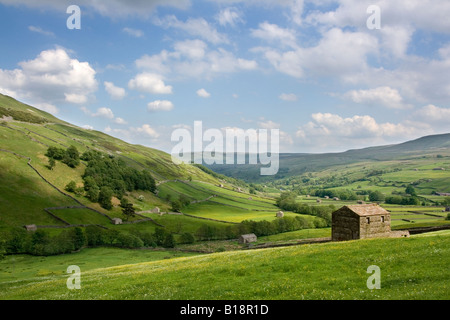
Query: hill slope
(433,147)
(319,271)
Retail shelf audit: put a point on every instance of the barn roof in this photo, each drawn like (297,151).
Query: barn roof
(250,235)
(371,209)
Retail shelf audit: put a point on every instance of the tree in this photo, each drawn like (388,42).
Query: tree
(71,157)
(128,211)
(93,193)
(376,196)
(187,238)
(51,163)
(104,198)
(79,238)
(169,241)
(159,235)
(410,190)
(71,186)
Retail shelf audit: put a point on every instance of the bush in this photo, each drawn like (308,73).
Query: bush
(129,241)
(169,241)
(71,186)
(187,238)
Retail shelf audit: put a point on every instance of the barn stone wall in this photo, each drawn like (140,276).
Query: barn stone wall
(345,225)
(376,228)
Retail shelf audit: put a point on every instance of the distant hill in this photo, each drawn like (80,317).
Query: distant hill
(294,164)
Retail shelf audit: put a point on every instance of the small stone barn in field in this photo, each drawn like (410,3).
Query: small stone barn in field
(248,238)
(362,221)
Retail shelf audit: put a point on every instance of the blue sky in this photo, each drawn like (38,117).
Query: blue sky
(138,70)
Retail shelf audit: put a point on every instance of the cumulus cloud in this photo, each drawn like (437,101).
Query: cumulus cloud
(229,16)
(203,93)
(288,97)
(104,113)
(133,32)
(197,27)
(150,83)
(47,107)
(381,96)
(331,131)
(160,105)
(52,77)
(120,121)
(41,31)
(115,92)
(337,54)
(110,8)
(274,33)
(433,114)
(146,130)
(193,59)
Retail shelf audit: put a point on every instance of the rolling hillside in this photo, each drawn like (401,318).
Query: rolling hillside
(34,193)
(425,153)
(411,269)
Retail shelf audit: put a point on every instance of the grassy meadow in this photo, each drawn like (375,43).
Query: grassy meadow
(318,271)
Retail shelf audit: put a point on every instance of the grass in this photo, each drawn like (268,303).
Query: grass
(318,271)
(19,267)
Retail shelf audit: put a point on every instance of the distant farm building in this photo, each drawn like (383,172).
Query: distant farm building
(361,222)
(447,209)
(156,210)
(117,221)
(336,199)
(248,238)
(280,214)
(31,227)
(441,169)
(318,201)
(360,202)
(443,194)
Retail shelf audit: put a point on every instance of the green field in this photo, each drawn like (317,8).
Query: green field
(318,271)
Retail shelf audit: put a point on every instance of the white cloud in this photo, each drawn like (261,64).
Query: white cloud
(87,127)
(331,131)
(115,92)
(147,130)
(104,113)
(75,98)
(41,31)
(203,93)
(269,124)
(133,32)
(120,121)
(229,16)
(111,8)
(272,32)
(381,96)
(288,97)
(433,115)
(47,107)
(160,105)
(192,59)
(52,77)
(149,82)
(198,27)
(337,54)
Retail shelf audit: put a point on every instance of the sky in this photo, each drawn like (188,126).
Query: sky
(330,75)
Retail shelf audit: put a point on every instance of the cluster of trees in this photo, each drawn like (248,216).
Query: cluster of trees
(43,243)
(69,156)
(285,224)
(341,194)
(286,201)
(104,177)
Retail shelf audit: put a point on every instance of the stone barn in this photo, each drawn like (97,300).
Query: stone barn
(248,238)
(116,221)
(280,214)
(361,222)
